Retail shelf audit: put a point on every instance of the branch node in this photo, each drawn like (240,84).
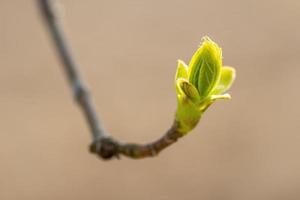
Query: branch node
(106,148)
(79,90)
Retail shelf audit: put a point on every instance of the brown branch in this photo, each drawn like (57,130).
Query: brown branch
(103,145)
(137,150)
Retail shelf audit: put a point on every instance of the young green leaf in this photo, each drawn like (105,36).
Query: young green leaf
(211,68)
(220,96)
(188,90)
(205,67)
(194,67)
(226,80)
(182,70)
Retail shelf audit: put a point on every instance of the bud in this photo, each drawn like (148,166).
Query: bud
(200,83)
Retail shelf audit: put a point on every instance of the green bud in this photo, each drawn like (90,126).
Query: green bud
(200,84)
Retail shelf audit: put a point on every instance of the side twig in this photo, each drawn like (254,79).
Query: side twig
(103,145)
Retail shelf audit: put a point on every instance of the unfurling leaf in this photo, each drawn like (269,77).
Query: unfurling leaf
(205,67)
(188,90)
(226,80)
(182,70)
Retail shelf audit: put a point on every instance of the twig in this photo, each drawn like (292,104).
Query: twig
(103,145)
(80,91)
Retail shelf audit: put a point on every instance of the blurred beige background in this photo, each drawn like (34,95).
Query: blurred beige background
(246,148)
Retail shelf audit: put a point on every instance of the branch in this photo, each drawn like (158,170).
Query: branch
(103,145)
(80,91)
